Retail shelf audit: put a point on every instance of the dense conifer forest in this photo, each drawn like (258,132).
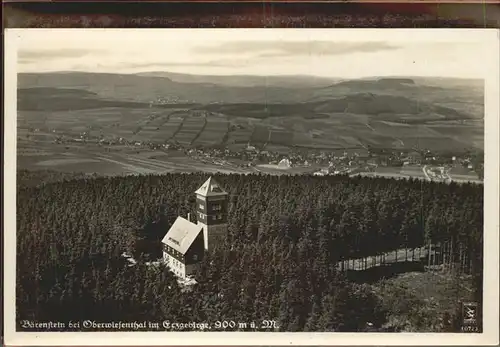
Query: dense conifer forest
(286,237)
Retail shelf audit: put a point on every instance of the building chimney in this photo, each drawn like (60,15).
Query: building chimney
(189,217)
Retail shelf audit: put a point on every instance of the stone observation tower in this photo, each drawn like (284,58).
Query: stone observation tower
(211,209)
(185,243)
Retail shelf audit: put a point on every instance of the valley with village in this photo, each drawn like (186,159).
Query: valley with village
(355,127)
(318,204)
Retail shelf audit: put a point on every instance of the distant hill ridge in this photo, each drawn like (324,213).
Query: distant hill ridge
(383,95)
(288,81)
(396,80)
(377,83)
(57,99)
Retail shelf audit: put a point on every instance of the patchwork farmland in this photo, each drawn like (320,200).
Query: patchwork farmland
(189,130)
(340,118)
(215,132)
(206,129)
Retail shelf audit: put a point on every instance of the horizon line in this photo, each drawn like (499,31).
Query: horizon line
(247,75)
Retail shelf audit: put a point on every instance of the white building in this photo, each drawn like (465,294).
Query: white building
(284,164)
(185,243)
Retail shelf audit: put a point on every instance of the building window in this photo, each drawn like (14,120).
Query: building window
(195,257)
(202,207)
(217,207)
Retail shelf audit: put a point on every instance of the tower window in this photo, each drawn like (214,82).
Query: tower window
(201,207)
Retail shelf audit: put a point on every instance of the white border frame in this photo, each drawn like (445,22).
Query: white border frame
(490,336)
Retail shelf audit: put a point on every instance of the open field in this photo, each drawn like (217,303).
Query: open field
(214,132)
(114,160)
(276,170)
(397,172)
(118,160)
(457,174)
(129,159)
(383,113)
(190,130)
(413,171)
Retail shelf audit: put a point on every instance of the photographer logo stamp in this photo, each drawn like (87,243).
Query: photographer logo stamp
(470,317)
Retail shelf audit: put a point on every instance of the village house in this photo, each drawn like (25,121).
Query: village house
(186,242)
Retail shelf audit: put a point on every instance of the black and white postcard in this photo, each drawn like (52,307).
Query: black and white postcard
(251,187)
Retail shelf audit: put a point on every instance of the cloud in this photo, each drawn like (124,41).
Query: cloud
(31,56)
(82,57)
(295,48)
(167,64)
(144,66)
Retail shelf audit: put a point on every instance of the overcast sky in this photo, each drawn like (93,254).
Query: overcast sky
(332,53)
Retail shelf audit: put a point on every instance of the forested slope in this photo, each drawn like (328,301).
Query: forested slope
(286,235)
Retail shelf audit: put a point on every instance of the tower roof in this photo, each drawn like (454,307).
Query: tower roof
(181,235)
(210,188)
